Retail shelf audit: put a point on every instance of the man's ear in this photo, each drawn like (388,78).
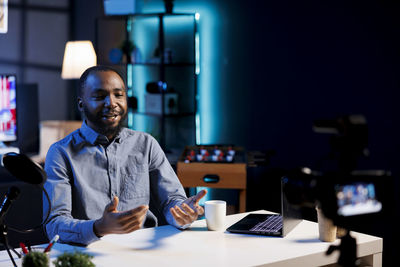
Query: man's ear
(80,104)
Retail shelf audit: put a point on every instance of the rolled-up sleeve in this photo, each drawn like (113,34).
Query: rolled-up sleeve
(58,186)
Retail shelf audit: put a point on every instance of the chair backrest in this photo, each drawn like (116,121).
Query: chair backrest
(52,131)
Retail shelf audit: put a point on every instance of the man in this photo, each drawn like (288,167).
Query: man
(102,176)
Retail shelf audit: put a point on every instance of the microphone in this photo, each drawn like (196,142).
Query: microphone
(24,169)
(10,196)
(28,171)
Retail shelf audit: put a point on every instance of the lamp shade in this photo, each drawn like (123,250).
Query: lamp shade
(78,56)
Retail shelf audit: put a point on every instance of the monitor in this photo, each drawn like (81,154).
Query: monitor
(8,108)
(357,198)
(28,118)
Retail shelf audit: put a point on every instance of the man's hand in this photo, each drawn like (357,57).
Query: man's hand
(189,210)
(115,222)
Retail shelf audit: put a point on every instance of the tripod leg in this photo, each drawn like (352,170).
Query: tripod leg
(9,254)
(4,241)
(348,251)
(16,252)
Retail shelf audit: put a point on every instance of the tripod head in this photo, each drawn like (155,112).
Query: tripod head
(347,249)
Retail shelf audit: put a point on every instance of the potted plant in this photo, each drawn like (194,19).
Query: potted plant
(35,259)
(127,47)
(169,5)
(76,258)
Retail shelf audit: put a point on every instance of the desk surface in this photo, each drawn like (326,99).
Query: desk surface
(168,246)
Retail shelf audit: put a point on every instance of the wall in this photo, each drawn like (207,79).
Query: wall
(315,60)
(33,49)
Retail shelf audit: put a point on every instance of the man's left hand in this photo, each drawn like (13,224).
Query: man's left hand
(190,209)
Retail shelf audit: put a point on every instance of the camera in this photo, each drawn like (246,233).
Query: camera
(347,199)
(346,195)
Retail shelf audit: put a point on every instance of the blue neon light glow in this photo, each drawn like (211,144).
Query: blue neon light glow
(129,79)
(208,115)
(197,56)
(207,119)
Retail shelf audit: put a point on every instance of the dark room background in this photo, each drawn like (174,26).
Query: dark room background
(279,65)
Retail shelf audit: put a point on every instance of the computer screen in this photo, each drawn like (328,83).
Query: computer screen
(357,198)
(28,118)
(8,108)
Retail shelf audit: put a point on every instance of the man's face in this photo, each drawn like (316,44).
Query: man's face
(104,102)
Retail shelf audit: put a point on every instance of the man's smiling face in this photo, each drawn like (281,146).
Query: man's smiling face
(104,102)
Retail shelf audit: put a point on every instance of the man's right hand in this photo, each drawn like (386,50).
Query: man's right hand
(115,222)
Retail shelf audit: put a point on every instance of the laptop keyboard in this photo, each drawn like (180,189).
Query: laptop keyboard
(272,224)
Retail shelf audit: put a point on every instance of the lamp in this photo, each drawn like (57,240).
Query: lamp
(78,56)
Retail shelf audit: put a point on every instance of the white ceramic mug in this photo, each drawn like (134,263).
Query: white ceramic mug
(215,212)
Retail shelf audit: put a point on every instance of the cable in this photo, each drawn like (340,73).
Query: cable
(24,231)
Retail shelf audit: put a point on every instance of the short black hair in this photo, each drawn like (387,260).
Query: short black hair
(94,69)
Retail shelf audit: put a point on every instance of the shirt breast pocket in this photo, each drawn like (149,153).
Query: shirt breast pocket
(136,183)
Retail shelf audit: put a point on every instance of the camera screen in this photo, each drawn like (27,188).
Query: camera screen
(356,198)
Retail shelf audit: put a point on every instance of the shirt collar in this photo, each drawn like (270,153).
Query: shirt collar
(95,138)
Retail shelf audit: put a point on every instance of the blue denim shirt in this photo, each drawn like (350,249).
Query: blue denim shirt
(84,174)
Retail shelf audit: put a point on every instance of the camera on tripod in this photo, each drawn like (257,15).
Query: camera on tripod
(346,195)
(347,199)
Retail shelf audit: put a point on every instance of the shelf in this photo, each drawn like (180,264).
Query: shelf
(179,115)
(148,64)
(166,51)
(147,15)
(178,64)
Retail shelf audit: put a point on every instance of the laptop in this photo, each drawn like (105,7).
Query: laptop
(270,224)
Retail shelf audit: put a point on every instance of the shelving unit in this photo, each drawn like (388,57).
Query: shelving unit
(176,67)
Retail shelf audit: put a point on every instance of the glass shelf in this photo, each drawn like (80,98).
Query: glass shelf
(178,115)
(178,64)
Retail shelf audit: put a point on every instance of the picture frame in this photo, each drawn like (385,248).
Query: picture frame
(3,16)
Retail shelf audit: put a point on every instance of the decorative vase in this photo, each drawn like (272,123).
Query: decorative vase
(169,5)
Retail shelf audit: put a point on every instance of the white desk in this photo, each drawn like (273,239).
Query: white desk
(167,246)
